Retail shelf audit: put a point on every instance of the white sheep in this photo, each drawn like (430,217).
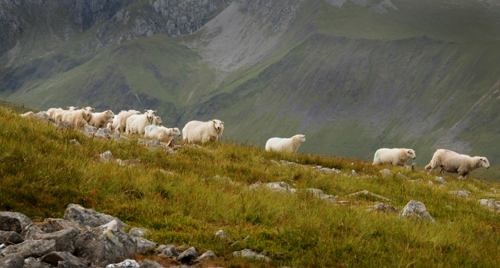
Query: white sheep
(285,144)
(100,120)
(158,121)
(395,156)
(78,118)
(137,123)
(201,132)
(28,114)
(453,162)
(161,133)
(58,113)
(120,120)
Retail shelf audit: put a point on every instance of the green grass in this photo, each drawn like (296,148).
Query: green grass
(42,173)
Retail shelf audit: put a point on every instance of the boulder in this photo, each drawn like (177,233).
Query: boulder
(103,133)
(417,210)
(43,116)
(188,255)
(125,263)
(34,263)
(30,232)
(55,257)
(83,217)
(105,247)
(249,254)
(13,221)
(319,194)
(144,246)
(12,261)
(63,125)
(10,237)
(31,248)
(65,239)
(168,250)
(150,264)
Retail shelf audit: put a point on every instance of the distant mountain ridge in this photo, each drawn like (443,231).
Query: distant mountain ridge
(353,76)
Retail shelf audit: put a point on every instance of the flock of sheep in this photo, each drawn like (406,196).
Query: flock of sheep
(149,125)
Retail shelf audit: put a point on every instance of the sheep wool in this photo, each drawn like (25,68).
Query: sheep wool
(395,156)
(120,120)
(201,132)
(79,118)
(161,133)
(454,162)
(136,124)
(100,120)
(285,144)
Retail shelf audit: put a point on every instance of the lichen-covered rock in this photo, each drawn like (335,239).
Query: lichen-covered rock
(207,255)
(13,221)
(138,232)
(168,250)
(65,239)
(83,217)
(105,247)
(150,264)
(125,263)
(106,156)
(144,246)
(383,207)
(31,248)
(51,225)
(416,210)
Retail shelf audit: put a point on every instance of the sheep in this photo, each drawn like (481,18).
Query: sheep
(395,156)
(100,120)
(201,132)
(120,121)
(161,133)
(59,113)
(137,123)
(78,118)
(453,162)
(158,121)
(285,144)
(28,114)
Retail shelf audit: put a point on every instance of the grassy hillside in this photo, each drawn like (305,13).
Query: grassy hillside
(42,172)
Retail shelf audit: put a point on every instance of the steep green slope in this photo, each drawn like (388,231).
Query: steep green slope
(42,172)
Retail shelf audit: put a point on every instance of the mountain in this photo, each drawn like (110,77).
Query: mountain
(352,75)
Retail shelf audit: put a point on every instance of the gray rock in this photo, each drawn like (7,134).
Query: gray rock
(63,125)
(207,255)
(249,254)
(275,163)
(34,263)
(130,162)
(417,180)
(31,248)
(105,247)
(188,255)
(276,186)
(103,133)
(384,208)
(89,131)
(353,173)
(386,172)
(67,264)
(490,203)
(30,232)
(106,156)
(459,193)
(221,234)
(319,194)
(150,264)
(168,250)
(327,170)
(55,257)
(43,116)
(431,183)
(138,232)
(13,221)
(75,142)
(12,261)
(88,217)
(150,143)
(144,246)
(366,192)
(10,237)
(51,225)
(417,210)
(125,263)
(441,180)
(65,239)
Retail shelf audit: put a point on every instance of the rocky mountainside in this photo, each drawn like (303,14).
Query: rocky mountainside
(351,75)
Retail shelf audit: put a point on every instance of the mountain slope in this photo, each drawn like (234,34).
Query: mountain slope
(352,75)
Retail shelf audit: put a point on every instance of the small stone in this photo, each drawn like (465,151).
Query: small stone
(10,237)
(353,173)
(249,254)
(125,263)
(383,207)
(144,246)
(106,156)
(168,250)
(431,183)
(417,209)
(441,180)
(460,193)
(207,255)
(449,207)
(386,172)
(275,163)
(417,180)
(188,255)
(221,234)
(150,264)
(138,232)
(55,257)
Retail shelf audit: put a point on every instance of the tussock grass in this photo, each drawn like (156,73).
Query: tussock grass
(42,172)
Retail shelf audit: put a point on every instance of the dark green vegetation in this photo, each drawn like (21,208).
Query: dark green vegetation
(366,75)
(42,172)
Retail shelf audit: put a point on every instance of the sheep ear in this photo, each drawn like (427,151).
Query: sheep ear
(409,151)
(155,111)
(67,108)
(146,110)
(92,109)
